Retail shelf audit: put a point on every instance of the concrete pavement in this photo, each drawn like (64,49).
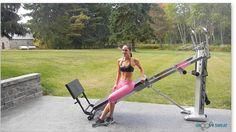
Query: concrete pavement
(59,114)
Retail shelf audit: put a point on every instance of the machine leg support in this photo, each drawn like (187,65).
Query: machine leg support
(192,116)
(196,117)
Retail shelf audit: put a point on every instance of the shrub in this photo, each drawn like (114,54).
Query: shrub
(183,47)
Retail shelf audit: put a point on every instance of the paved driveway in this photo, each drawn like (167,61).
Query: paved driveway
(59,114)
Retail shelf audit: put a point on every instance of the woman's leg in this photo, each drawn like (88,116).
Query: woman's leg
(111,109)
(105,111)
(108,110)
(118,94)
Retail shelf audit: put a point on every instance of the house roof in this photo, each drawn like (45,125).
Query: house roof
(27,36)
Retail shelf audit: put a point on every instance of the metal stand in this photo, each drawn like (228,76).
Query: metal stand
(197,114)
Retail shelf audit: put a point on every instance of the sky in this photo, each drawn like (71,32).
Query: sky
(21,12)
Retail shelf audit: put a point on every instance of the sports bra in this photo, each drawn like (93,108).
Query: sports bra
(128,68)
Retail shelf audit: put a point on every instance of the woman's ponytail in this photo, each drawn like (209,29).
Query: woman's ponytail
(130,49)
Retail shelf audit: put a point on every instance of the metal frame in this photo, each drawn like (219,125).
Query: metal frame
(201,49)
(200,60)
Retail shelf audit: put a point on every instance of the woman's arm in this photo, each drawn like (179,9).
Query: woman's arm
(118,72)
(137,63)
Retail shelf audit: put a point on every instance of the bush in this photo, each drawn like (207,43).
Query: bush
(223,48)
(182,47)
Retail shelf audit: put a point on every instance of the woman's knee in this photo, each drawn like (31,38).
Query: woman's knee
(112,104)
(119,93)
(112,100)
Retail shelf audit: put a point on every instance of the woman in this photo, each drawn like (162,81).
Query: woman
(123,84)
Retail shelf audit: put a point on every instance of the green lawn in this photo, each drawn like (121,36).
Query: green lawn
(96,70)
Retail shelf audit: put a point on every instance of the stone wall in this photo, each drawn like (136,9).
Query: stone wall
(18,90)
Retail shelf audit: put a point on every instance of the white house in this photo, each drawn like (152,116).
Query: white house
(5,44)
(17,41)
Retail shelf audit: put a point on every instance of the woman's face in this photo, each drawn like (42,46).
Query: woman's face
(125,50)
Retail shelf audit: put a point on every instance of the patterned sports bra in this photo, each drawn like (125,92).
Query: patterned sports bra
(128,68)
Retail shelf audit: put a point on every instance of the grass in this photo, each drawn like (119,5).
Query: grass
(96,70)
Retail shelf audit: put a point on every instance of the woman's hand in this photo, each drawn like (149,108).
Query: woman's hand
(143,78)
(114,87)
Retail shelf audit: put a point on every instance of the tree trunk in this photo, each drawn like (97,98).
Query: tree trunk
(161,44)
(213,37)
(180,29)
(170,40)
(212,34)
(184,31)
(133,46)
(221,35)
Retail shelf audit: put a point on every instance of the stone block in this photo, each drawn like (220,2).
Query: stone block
(18,90)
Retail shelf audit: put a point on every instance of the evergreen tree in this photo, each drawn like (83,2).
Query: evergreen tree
(9,19)
(49,24)
(69,25)
(158,22)
(92,25)
(129,22)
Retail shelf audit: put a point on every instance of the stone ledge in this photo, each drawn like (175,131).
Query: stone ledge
(15,80)
(19,90)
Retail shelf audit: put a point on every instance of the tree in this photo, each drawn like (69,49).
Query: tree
(201,17)
(9,18)
(182,14)
(221,17)
(158,22)
(49,24)
(176,17)
(215,17)
(172,32)
(70,25)
(129,22)
(94,31)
